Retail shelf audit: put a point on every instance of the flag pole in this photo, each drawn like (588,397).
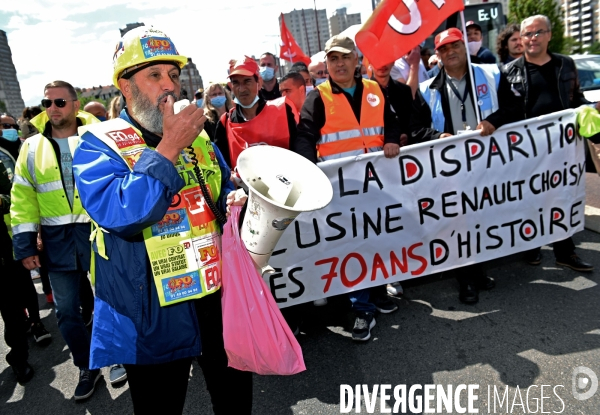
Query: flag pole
(471,76)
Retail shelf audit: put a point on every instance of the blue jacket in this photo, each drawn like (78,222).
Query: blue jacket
(485,55)
(487,81)
(129,325)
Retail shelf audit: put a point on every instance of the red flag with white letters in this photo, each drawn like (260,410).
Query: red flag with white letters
(290,51)
(397,26)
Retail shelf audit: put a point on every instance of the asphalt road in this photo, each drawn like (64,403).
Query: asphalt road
(533,329)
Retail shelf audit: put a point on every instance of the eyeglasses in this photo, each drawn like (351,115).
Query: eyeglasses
(7,125)
(529,35)
(59,102)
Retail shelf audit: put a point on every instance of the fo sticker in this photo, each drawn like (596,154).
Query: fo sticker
(181,286)
(125,138)
(174,221)
(157,46)
(373,100)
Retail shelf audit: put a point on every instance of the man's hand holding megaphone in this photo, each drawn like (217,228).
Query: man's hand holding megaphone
(236,198)
(179,130)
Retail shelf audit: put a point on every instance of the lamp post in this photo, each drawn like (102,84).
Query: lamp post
(317,21)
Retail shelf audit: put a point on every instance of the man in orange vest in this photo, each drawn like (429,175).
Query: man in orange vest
(253,120)
(342,117)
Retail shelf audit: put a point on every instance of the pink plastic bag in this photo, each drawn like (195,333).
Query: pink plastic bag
(257,338)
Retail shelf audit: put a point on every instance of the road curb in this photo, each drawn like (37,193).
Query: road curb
(592,218)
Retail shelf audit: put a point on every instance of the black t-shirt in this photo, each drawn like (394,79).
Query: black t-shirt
(543,92)
(273,94)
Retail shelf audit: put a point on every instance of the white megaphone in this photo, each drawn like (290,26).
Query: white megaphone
(281,184)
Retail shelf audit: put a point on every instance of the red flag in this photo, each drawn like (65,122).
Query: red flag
(397,26)
(290,50)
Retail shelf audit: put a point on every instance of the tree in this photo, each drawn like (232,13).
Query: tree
(85,100)
(521,9)
(571,46)
(594,48)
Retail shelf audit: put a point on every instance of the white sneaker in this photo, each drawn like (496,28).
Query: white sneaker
(395,289)
(320,302)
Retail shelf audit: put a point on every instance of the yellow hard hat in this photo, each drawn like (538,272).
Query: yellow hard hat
(141,45)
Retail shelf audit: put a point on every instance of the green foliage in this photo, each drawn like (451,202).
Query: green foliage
(85,100)
(519,10)
(594,49)
(2,106)
(571,46)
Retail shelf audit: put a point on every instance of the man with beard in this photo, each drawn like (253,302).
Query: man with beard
(157,190)
(44,194)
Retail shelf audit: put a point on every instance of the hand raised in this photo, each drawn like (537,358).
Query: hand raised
(179,130)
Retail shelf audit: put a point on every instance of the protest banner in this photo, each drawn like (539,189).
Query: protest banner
(440,205)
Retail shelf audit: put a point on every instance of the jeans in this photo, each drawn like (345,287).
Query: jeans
(361,302)
(66,288)
(230,389)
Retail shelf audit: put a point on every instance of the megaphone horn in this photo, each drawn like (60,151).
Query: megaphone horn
(281,184)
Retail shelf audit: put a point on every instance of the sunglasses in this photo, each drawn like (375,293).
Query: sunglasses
(529,35)
(8,125)
(59,102)
(322,73)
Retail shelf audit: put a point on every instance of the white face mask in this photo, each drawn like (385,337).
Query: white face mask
(309,88)
(474,47)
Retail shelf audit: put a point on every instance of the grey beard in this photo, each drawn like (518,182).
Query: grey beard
(147,113)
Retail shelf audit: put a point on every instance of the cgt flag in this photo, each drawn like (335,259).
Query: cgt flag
(290,51)
(397,26)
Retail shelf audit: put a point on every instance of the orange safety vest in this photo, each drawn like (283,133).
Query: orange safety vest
(270,127)
(342,135)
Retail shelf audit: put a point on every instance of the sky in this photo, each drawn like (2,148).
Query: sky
(74,41)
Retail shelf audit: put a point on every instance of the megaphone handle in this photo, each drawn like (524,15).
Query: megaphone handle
(200,177)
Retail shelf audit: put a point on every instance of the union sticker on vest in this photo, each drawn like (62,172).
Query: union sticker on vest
(184,266)
(125,138)
(129,143)
(373,100)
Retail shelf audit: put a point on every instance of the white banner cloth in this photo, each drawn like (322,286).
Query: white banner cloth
(439,205)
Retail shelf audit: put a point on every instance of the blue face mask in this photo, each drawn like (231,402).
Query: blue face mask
(218,101)
(267,73)
(101,118)
(10,134)
(365,76)
(319,81)
(237,101)
(199,102)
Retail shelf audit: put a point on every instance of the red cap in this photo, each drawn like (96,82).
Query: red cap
(448,36)
(246,67)
(472,23)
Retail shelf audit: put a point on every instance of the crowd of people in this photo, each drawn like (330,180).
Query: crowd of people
(71,175)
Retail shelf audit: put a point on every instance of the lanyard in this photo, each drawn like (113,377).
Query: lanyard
(462,101)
